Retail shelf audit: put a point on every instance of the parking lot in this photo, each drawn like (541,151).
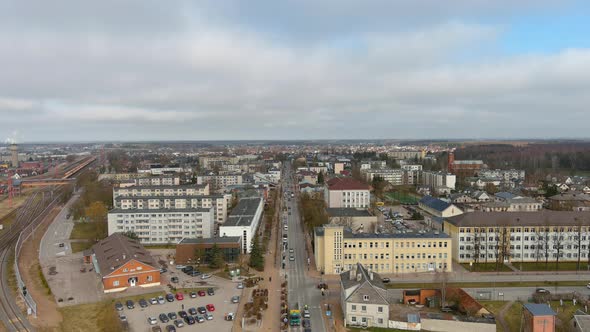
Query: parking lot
(137,318)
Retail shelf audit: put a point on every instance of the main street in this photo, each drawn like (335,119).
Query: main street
(302,289)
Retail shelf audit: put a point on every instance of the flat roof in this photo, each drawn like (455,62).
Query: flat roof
(159,210)
(213,240)
(243,214)
(348,234)
(539,218)
(348,212)
(539,309)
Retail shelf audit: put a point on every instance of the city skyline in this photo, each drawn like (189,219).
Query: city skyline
(148,71)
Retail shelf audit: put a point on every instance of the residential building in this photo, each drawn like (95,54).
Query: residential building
(194,251)
(338,168)
(521,204)
(363,298)
(122,176)
(439,181)
(406,154)
(122,263)
(438,207)
(504,174)
(218,183)
(571,201)
(394,176)
(580,322)
(243,221)
(538,317)
(359,220)
(338,249)
(412,174)
(161,190)
(162,226)
(308,176)
(519,236)
(157,169)
(163,180)
(346,193)
(211,162)
(464,168)
(373,164)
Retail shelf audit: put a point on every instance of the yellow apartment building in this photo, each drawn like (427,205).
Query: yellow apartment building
(337,250)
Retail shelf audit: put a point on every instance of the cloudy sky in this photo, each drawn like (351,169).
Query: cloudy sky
(305,69)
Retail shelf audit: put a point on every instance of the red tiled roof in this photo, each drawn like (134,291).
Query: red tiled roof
(346,184)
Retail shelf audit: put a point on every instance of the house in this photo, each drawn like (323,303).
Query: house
(480,196)
(363,298)
(308,176)
(123,262)
(461,198)
(346,193)
(538,317)
(569,201)
(434,209)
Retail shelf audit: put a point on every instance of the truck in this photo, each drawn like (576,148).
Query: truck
(295,316)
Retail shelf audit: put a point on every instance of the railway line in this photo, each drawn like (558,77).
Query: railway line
(9,312)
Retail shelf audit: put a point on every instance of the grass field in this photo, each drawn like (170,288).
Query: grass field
(89,231)
(486,267)
(563,266)
(81,246)
(403,198)
(487,284)
(99,316)
(512,316)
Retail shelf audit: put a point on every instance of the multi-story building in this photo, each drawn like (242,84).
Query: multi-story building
(519,236)
(219,203)
(406,154)
(346,193)
(162,190)
(337,250)
(439,181)
(195,251)
(210,162)
(572,201)
(522,204)
(157,169)
(504,174)
(464,168)
(220,182)
(163,180)
(160,226)
(394,176)
(243,221)
(373,164)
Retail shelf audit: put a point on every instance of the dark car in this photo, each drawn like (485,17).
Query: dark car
(194,273)
(202,310)
(169,297)
(163,318)
(130,304)
(210,292)
(118,306)
(163,270)
(174,279)
(188,269)
(179,323)
(306,323)
(182,314)
(189,320)
(170,328)
(192,311)
(385,280)
(172,315)
(143,303)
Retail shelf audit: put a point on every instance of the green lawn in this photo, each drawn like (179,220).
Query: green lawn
(100,316)
(81,246)
(428,285)
(563,266)
(89,231)
(374,329)
(486,267)
(403,198)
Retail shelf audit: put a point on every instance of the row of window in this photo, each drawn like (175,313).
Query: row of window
(526,229)
(529,255)
(398,244)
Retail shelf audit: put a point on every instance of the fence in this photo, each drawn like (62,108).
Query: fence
(24,235)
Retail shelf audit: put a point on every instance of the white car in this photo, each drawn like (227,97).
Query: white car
(205,276)
(153,301)
(208,316)
(161,300)
(152,320)
(180,267)
(588,286)
(240,286)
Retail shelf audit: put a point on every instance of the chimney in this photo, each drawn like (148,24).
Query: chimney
(358,277)
(124,256)
(371,275)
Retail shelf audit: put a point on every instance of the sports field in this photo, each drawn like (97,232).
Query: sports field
(403,198)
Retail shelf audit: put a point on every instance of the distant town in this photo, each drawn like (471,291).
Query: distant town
(295,236)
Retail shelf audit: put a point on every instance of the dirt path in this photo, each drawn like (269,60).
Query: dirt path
(48,316)
(501,314)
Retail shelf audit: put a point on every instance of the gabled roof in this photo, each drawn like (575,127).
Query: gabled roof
(539,309)
(361,279)
(434,203)
(346,183)
(116,250)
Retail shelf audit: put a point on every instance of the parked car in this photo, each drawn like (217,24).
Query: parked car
(179,296)
(210,291)
(192,311)
(208,316)
(163,270)
(170,328)
(152,320)
(172,315)
(180,267)
(122,318)
(161,300)
(187,269)
(156,329)
(130,304)
(199,318)
(210,307)
(446,309)
(588,286)
(229,316)
(201,293)
(235,299)
(153,300)
(202,310)
(118,306)
(189,320)
(194,273)
(241,285)
(179,323)
(542,291)
(169,297)
(163,318)
(182,314)
(205,276)
(143,303)
(385,280)
(174,280)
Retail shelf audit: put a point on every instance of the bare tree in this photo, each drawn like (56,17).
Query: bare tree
(559,241)
(502,247)
(441,277)
(578,240)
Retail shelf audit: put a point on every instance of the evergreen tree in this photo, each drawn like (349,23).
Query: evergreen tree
(256,256)
(321,177)
(215,257)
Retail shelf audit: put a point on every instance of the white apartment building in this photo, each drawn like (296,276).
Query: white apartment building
(347,193)
(161,170)
(157,181)
(373,164)
(161,226)
(219,182)
(209,162)
(439,180)
(162,190)
(505,174)
(243,221)
(520,236)
(393,176)
(219,203)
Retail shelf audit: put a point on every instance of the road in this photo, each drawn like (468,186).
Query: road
(58,232)
(302,289)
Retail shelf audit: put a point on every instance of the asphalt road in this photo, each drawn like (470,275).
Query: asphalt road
(302,290)
(57,233)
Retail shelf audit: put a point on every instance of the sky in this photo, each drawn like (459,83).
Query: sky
(141,70)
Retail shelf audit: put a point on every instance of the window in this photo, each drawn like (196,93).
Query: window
(365,298)
(364,308)
(353,318)
(149,278)
(116,283)
(353,308)
(379,309)
(380,320)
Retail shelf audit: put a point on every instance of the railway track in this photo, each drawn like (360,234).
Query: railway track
(13,319)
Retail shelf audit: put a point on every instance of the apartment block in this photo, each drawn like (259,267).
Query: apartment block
(161,190)
(394,176)
(210,162)
(163,180)
(220,182)
(243,221)
(504,174)
(337,250)
(346,193)
(439,181)
(519,236)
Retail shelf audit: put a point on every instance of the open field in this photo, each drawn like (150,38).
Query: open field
(99,316)
(488,284)
(403,198)
(89,231)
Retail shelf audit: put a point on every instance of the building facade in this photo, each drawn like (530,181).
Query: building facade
(220,182)
(484,237)
(243,221)
(194,251)
(160,190)
(363,298)
(162,226)
(346,193)
(438,180)
(337,250)
(394,176)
